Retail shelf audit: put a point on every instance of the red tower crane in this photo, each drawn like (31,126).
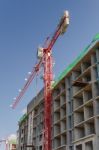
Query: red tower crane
(45,60)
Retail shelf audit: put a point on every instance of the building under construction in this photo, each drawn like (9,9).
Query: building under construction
(75,108)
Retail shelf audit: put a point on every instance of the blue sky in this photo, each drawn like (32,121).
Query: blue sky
(25,24)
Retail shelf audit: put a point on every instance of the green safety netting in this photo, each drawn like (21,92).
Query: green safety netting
(72,65)
(96,37)
(22,118)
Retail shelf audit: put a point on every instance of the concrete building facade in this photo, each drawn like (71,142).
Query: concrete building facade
(75,107)
(22,133)
(35,110)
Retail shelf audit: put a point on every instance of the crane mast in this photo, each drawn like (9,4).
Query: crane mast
(45,59)
(48,78)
